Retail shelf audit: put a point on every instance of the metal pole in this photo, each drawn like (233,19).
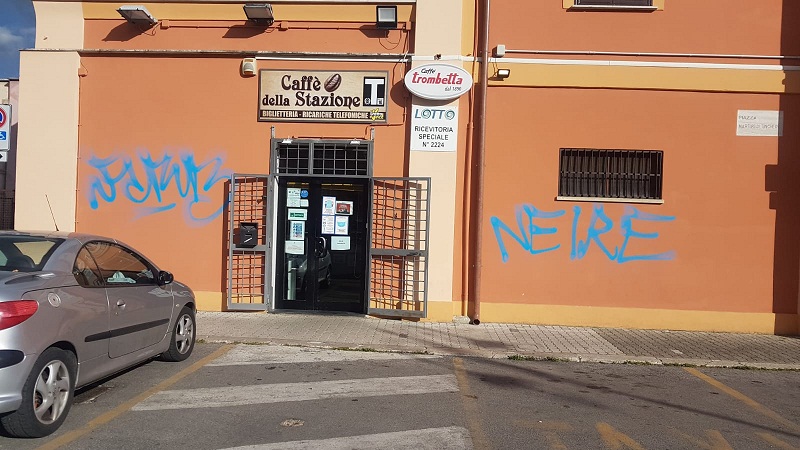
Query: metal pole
(478,166)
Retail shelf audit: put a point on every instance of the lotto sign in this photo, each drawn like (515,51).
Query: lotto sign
(434,129)
(5,126)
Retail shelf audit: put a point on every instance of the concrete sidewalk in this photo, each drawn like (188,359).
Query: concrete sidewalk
(494,340)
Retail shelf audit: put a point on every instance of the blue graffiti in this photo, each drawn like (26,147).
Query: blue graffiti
(580,248)
(192,180)
(527,229)
(600,224)
(626,228)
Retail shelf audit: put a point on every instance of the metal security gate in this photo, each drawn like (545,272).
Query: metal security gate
(398,283)
(249,236)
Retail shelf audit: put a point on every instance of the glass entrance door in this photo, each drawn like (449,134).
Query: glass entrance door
(322,244)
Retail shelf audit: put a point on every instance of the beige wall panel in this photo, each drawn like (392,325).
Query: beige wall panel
(434,34)
(438,25)
(58,25)
(47,147)
(440,167)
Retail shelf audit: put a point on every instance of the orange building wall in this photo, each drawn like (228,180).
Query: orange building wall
(727,229)
(723,232)
(684,26)
(202,114)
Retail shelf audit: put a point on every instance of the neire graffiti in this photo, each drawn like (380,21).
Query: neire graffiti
(529,217)
(145,179)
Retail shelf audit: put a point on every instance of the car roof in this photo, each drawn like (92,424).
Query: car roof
(55,234)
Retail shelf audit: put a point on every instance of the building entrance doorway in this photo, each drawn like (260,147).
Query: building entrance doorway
(322,233)
(321,243)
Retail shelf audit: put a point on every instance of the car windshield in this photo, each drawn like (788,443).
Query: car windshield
(25,253)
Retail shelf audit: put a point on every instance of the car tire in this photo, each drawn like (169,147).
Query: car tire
(182,337)
(51,386)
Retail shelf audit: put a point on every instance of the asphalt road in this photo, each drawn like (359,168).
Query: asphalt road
(270,397)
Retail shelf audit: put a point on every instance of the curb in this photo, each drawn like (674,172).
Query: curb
(536,356)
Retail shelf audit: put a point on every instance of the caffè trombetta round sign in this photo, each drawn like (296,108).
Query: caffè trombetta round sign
(438,81)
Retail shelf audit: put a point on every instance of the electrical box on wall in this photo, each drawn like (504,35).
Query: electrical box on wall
(249,67)
(248,235)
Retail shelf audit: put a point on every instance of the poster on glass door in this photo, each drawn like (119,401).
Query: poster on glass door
(328,206)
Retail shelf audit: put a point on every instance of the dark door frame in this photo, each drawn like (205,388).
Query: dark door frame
(313,292)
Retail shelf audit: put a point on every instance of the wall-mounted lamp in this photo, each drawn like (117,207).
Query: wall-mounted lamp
(503,73)
(260,13)
(386,17)
(137,15)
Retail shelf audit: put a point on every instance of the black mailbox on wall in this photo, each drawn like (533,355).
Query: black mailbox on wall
(248,234)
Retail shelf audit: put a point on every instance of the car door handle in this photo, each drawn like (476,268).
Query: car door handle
(121,304)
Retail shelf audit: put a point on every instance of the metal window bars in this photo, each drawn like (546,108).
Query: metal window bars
(613,174)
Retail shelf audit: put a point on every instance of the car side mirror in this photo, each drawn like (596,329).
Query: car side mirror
(165,277)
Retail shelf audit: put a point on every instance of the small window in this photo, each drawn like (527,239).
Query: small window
(120,266)
(85,270)
(600,174)
(23,253)
(600,5)
(613,2)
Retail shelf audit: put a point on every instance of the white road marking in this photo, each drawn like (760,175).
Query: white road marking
(273,354)
(450,438)
(295,392)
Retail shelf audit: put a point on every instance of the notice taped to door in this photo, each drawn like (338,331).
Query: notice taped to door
(340,243)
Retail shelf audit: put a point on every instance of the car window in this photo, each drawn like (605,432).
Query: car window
(120,266)
(86,271)
(25,253)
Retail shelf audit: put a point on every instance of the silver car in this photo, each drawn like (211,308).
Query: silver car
(75,308)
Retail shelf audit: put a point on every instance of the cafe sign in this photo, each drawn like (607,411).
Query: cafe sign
(438,81)
(322,96)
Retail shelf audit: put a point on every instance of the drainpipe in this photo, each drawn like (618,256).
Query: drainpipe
(478,166)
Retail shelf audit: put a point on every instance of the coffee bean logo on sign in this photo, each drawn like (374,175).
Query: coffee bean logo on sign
(333,82)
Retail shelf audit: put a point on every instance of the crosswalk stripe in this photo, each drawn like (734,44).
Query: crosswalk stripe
(293,392)
(449,438)
(270,354)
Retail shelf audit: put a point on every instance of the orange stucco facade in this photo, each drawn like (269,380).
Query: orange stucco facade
(163,117)
(671,80)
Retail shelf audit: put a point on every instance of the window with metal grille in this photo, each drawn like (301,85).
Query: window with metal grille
(293,157)
(613,2)
(610,174)
(338,158)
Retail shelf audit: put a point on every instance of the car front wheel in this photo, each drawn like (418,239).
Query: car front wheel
(183,337)
(46,395)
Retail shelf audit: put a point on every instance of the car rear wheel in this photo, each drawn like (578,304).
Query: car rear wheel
(46,395)
(183,336)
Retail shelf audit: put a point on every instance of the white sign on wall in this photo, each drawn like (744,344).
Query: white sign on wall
(759,123)
(438,81)
(5,127)
(434,128)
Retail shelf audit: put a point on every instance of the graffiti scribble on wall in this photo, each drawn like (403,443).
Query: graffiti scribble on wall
(144,179)
(529,217)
